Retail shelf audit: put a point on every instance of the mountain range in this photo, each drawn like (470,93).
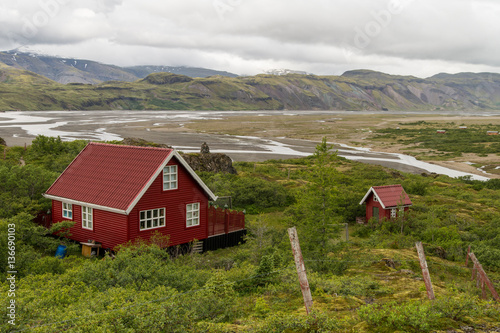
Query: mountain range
(71,70)
(33,82)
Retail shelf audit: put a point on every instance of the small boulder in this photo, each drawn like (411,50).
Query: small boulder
(204,148)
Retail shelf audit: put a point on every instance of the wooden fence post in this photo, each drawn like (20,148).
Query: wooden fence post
(483,290)
(301,269)
(482,278)
(425,270)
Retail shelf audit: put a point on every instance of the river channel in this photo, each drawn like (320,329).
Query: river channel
(21,127)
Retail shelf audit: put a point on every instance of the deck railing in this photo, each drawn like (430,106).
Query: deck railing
(223,221)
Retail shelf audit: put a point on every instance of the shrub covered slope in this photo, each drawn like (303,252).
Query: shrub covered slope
(372,283)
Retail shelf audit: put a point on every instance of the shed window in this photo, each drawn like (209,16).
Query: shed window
(393,213)
(192,214)
(67,210)
(170,177)
(151,219)
(87,218)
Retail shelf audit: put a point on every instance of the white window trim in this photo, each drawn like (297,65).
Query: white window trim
(67,211)
(171,175)
(393,213)
(87,218)
(160,217)
(192,214)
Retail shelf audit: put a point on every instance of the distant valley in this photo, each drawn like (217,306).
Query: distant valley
(34,82)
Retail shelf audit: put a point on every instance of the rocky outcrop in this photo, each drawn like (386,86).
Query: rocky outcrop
(210,162)
(142,143)
(204,161)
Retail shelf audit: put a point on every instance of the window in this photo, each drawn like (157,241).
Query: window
(393,213)
(170,177)
(67,210)
(375,198)
(87,218)
(150,219)
(192,214)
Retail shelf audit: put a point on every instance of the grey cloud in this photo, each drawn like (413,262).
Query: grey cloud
(315,35)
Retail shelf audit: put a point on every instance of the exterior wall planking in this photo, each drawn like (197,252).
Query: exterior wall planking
(56,211)
(109,229)
(370,203)
(174,202)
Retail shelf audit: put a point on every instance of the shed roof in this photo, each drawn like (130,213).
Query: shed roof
(389,196)
(114,176)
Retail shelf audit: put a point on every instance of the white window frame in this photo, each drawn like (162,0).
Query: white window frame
(67,210)
(87,218)
(193,214)
(170,177)
(152,219)
(393,213)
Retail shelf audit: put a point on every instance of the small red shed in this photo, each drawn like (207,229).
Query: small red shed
(118,193)
(385,201)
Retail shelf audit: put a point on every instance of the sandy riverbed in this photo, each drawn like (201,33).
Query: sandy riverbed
(245,136)
(355,129)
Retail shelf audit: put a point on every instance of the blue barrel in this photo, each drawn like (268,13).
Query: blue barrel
(61,251)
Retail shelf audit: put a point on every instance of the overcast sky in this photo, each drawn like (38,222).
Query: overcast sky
(328,37)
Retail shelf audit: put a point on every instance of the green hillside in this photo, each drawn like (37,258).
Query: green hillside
(372,283)
(355,90)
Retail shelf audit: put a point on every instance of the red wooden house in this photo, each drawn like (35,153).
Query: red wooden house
(386,202)
(118,193)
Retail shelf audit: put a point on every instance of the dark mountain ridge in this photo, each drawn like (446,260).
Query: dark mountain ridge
(71,70)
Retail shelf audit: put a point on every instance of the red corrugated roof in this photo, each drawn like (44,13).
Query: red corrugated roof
(109,175)
(392,195)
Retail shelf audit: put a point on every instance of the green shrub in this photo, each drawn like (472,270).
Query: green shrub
(268,267)
(359,286)
(457,308)
(412,316)
(261,307)
(250,193)
(286,322)
(488,256)
(362,231)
